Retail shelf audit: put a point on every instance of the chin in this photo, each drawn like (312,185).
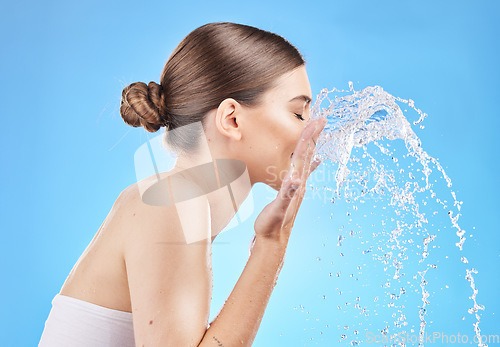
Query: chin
(276,188)
(275,184)
(274,177)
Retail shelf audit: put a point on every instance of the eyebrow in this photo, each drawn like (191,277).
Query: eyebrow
(302,97)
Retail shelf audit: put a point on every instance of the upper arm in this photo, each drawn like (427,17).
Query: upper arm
(170,281)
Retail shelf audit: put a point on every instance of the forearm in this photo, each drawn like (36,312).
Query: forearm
(238,321)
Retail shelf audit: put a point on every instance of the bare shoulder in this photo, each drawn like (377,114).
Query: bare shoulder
(182,222)
(142,218)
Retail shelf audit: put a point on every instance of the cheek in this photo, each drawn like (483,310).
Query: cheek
(260,154)
(291,138)
(277,157)
(269,147)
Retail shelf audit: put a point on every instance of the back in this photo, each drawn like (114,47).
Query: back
(170,281)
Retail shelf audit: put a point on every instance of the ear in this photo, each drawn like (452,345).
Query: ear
(226,119)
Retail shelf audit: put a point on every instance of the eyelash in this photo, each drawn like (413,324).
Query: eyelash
(299,116)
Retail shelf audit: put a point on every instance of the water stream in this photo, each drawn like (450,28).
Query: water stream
(380,159)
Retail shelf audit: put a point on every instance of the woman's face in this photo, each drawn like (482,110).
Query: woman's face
(271,131)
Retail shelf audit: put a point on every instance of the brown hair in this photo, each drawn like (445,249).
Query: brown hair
(214,62)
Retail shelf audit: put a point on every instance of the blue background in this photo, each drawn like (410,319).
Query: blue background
(68,154)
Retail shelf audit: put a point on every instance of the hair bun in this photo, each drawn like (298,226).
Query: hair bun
(143,105)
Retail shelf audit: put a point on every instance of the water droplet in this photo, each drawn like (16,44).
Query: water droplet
(380,172)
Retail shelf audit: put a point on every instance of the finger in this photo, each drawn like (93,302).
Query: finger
(288,189)
(273,214)
(315,163)
(307,169)
(302,158)
(293,208)
(299,156)
(319,129)
(311,165)
(300,150)
(296,201)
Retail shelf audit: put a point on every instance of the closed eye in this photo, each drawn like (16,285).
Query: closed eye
(299,116)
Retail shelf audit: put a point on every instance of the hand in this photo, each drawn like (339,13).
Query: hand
(276,220)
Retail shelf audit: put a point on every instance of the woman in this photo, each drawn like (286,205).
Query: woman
(145,279)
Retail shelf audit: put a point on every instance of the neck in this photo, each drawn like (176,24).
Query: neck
(234,188)
(224,182)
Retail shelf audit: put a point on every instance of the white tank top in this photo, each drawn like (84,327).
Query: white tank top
(77,323)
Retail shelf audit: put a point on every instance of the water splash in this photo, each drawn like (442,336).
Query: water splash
(370,117)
